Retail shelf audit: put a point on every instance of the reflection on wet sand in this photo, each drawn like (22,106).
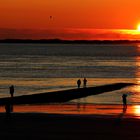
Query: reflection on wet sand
(84,109)
(121,115)
(136,111)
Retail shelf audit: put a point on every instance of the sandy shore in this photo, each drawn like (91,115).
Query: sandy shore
(36,126)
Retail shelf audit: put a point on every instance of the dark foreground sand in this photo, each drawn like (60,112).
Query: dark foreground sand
(39,126)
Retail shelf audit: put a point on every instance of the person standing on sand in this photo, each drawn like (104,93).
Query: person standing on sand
(12,89)
(124,96)
(78,83)
(85,83)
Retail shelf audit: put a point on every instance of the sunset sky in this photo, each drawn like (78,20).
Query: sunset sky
(70,19)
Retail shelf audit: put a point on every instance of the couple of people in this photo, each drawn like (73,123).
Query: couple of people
(84,83)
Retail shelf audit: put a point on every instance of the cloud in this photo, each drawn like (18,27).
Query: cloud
(70,34)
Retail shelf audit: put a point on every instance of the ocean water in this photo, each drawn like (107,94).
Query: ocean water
(36,68)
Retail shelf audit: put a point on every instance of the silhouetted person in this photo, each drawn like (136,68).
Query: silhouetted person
(85,83)
(11,90)
(78,83)
(124,96)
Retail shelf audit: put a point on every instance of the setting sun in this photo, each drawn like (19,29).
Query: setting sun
(138,27)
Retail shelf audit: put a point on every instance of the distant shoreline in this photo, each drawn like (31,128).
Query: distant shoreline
(59,41)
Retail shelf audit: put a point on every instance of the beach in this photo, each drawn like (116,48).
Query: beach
(70,70)
(117,125)
(55,69)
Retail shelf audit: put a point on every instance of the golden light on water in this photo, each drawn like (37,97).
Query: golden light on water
(136,110)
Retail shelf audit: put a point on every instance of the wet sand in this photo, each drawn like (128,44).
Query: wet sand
(36,126)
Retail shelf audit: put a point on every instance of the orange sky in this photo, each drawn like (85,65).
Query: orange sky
(67,14)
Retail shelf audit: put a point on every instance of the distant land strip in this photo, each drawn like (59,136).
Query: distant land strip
(54,41)
(63,95)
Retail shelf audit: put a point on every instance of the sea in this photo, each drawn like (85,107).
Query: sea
(37,68)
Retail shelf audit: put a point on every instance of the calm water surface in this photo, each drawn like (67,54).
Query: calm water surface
(35,68)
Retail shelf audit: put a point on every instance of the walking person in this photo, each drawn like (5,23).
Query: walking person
(85,83)
(124,99)
(12,90)
(78,83)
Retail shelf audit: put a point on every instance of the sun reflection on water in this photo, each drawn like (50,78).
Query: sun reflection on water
(136,110)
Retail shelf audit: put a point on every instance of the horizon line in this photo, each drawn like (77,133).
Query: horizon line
(58,40)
